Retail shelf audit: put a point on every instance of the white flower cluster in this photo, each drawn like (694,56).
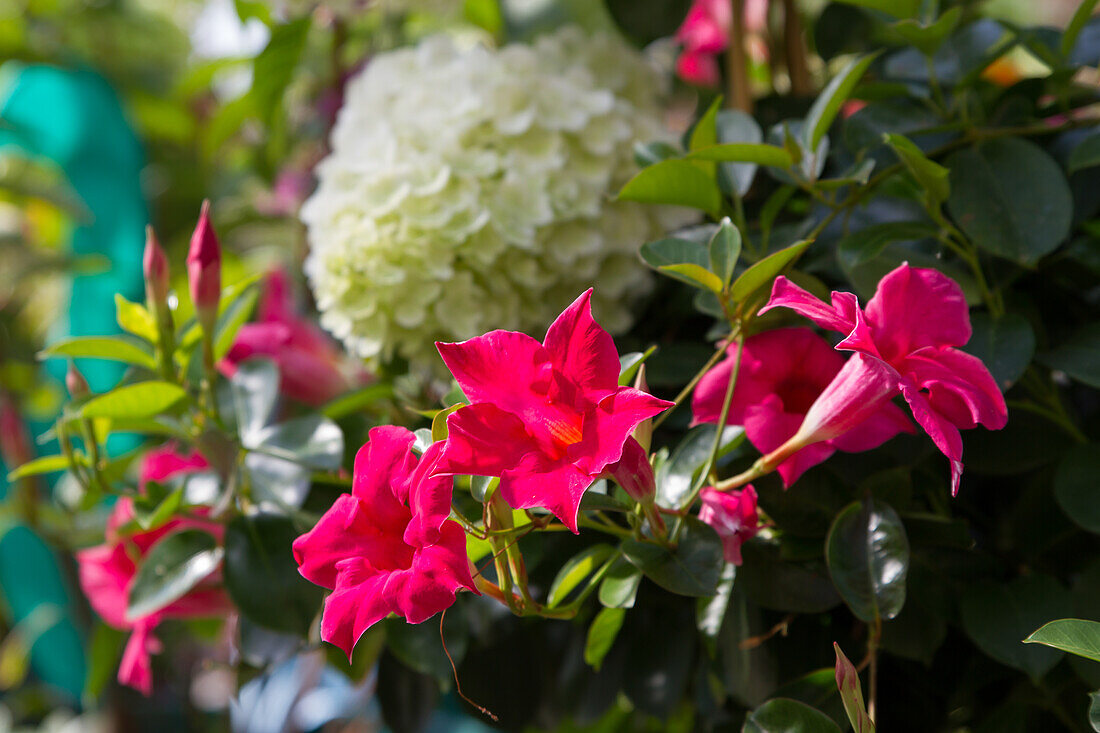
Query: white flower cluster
(471,189)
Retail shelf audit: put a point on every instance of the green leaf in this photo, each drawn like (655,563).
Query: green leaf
(827,105)
(724,249)
(693,274)
(1080,17)
(439,422)
(620,584)
(784,585)
(1094,710)
(1011,198)
(601,635)
(782,715)
(1085,155)
(262,578)
(894,8)
(931,176)
(255,388)
(1071,635)
(868,556)
(1075,486)
(646,154)
(352,402)
(735,126)
(630,363)
(232,316)
(711,612)
(676,476)
(161,512)
(171,568)
(847,681)
(705,133)
(115,348)
(998,616)
(677,182)
(43,464)
(484,14)
(135,319)
(1079,357)
(765,271)
(575,570)
(674,251)
(691,569)
(928,38)
(1005,345)
(865,245)
(144,399)
(758,153)
(104,649)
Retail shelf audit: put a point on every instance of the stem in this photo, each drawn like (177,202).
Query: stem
(737,69)
(797,69)
(872,654)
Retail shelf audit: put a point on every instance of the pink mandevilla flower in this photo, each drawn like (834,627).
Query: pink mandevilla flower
(107,573)
(904,342)
(547,418)
(733,516)
(309,362)
(705,32)
(168,461)
(388,547)
(781,375)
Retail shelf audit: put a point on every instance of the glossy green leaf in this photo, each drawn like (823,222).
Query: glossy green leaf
(674,251)
(601,635)
(160,512)
(928,38)
(1080,17)
(133,318)
(784,585)
(827,105)
(619,586)
(847,681)
(759,153)
(115,348)
(705,133)
(171,568)
(1079,356)
(38,466)
(1076,484)
(735,126)
(1005,345)
(262,578)
(690,569)
(724,249)
(693,274)
(782,715)
(1072,635)
(676,476)
(232,316)
(762,273)
(868,555)
(1085,155)
(931,176)
(575,570)
(630,363)
(144,399)
(1011,198)
(255,388)
(999,616)
(711,612)
(352,402)
(677,182)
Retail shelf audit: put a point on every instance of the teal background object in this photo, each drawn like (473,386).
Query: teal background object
(73,118)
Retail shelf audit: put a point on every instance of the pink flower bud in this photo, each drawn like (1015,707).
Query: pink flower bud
(155,267)
(204,269)
(634,473)
(76,383)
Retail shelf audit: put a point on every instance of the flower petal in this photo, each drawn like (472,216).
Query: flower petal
(382,469)
(358,603)
(483,440)
(136,668)
(581,350)
(839,316)
(943,433)
(914,307)
(859,390)
(607,427)
(436,575)
(508,369)
(875,430)
(429,499)
(959,386)
(539,481)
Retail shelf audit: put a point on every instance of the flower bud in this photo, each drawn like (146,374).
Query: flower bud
(155,268)
(204,270)
(634,473)
(76,383)
(733,515)
(644,432)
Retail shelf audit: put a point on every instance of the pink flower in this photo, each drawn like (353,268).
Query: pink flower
(905,342)
(782,373)
(167,461)
(388,547)
(733,516)
(204,269)
(154,265)
(547,418)
(309,362)
(107,572)
(704,35)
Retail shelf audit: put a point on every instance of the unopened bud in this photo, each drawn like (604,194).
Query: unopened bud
(634,473)
(76,383)
(155,268)
(204,270)
(644,432)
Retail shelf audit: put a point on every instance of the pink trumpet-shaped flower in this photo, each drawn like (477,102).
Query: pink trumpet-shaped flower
(905,343)
(388,547)
(733,516)
(547,418)
(704,35)
(107,573)
(309,362)
(782,373)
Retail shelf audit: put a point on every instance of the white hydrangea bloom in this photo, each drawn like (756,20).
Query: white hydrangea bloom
(471,189)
